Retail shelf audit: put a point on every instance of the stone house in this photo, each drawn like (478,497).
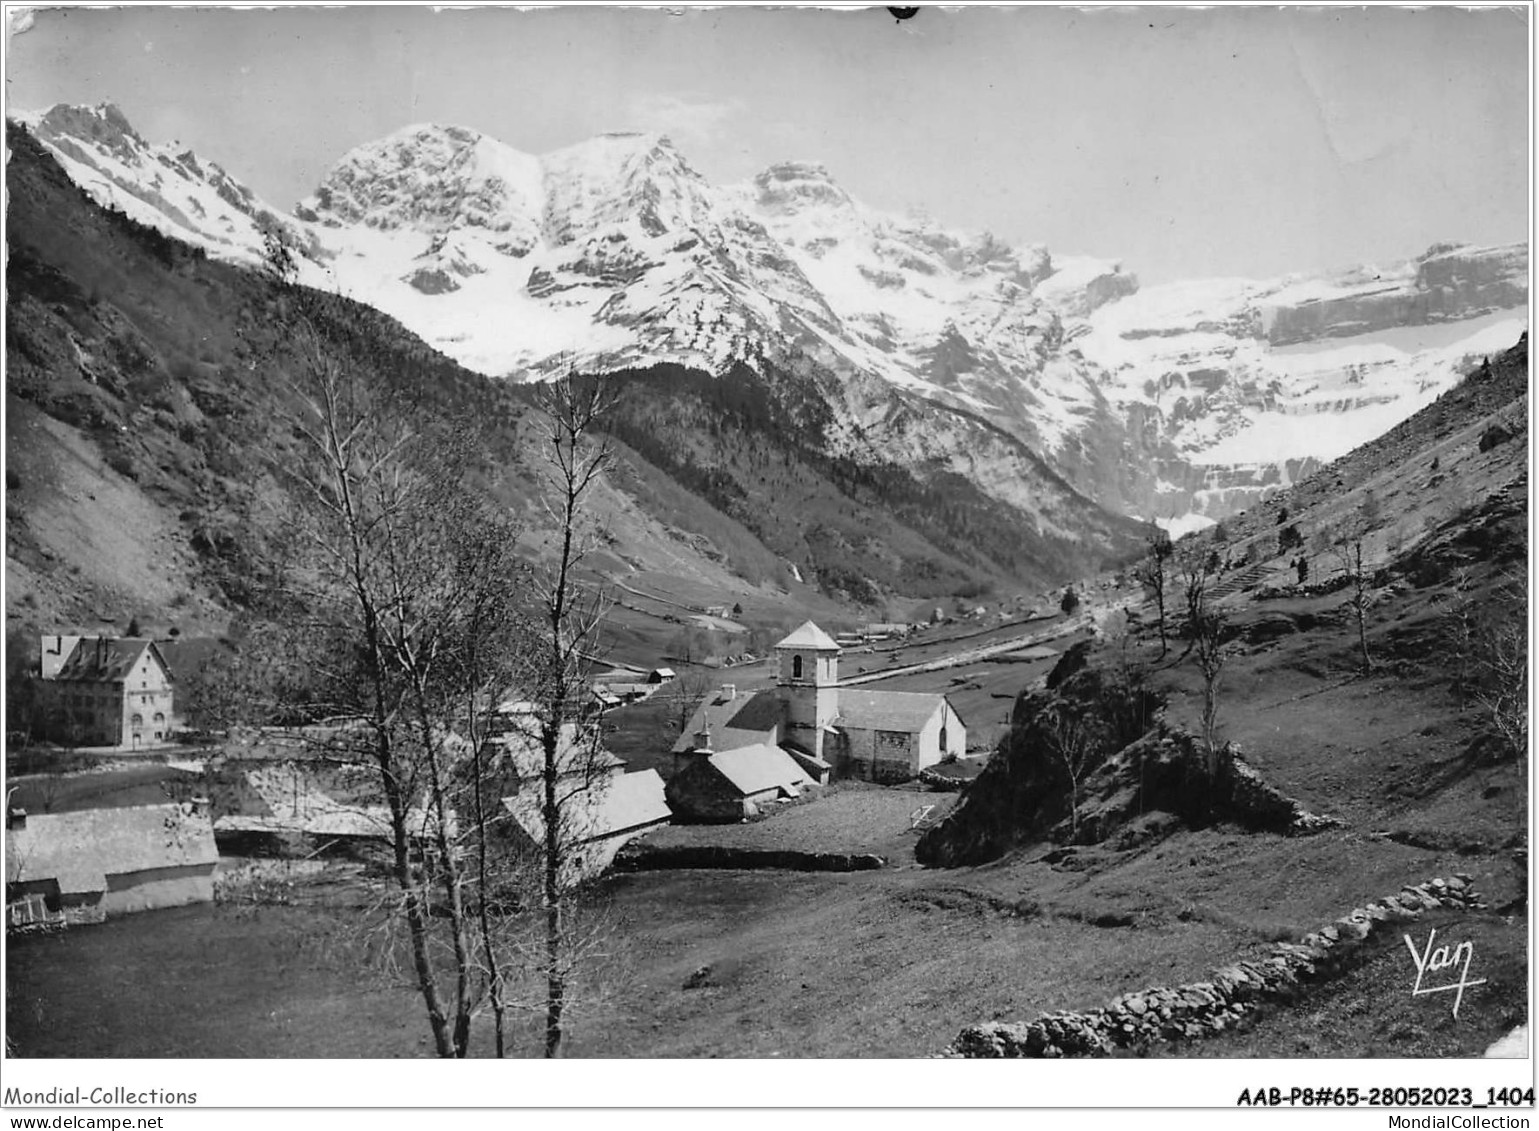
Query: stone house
(830,731)
(105,691)
(92,863)
(730,785)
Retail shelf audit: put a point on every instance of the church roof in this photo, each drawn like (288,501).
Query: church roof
(740,721)
(809,635)
(886,710)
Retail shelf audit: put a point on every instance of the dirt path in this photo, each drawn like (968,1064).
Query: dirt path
(974,655)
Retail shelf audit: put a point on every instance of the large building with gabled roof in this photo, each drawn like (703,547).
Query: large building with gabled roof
(105,691)
(824,729)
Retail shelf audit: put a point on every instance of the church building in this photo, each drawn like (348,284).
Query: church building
(828,730)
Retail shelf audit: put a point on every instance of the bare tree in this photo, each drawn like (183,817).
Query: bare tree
(1075,743)
(1349,555)
(1503,691)
(1492,637)
(1152,572)
(686,694)
(577,452)
(398,588)
(1205,626)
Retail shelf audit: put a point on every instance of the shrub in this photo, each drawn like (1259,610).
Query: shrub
(122,463)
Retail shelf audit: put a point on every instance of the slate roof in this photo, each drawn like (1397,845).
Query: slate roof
(747,720)
(809,635)
(98,659)
(293,803)
(526,757)
(886,710)
(752,769)
(82,848)
(622,803)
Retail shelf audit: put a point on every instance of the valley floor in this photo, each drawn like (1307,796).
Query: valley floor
(893,963)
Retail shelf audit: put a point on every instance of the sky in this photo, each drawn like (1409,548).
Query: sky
(1234,141)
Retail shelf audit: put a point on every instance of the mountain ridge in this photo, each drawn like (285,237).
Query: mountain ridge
(129,364)
(1184,400)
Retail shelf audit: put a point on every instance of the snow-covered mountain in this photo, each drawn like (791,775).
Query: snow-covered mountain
(1170,401)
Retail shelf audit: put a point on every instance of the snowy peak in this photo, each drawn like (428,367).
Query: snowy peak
(620,178)
(164,186)
(795,186)
(1199,396)
(434,179)
(103,124)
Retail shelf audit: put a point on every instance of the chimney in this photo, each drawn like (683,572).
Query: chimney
(16,818)
(197,806)
(728,693)
(703,739)
(55,650)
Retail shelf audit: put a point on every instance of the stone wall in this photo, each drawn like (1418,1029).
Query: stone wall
(646,858)
(884,757)
(1202,1008)
(941,782)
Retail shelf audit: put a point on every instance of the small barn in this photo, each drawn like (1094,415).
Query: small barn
(596,822)
(92,863)
(730,785)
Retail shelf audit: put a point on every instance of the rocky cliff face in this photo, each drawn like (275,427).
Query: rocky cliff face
(1183,400)
(1448,283)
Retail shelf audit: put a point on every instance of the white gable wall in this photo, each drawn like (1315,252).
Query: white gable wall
(146,703)
(931,747)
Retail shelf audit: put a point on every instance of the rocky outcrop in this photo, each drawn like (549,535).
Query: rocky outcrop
(1233,992)
(1023,793)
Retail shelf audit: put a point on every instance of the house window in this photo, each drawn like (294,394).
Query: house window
(796,667)
(944,745)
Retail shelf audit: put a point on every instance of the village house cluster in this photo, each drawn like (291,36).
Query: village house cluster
(739,754)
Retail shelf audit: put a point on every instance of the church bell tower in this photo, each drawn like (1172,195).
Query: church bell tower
(808,683)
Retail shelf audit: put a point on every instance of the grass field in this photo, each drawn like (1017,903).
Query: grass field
(845,817)
(895,962)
